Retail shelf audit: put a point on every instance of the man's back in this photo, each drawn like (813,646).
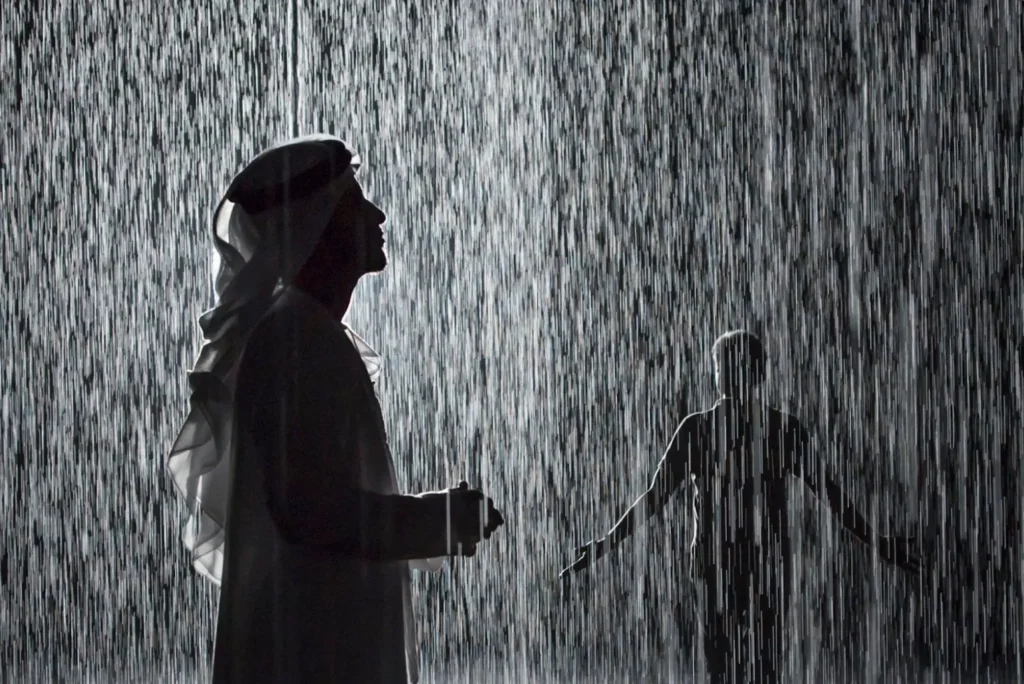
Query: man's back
(743,454)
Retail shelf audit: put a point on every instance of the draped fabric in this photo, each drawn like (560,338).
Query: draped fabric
(264,229)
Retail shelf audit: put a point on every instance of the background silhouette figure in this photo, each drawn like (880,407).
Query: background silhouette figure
(736,458)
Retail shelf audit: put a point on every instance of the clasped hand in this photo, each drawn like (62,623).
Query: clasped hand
(470,518)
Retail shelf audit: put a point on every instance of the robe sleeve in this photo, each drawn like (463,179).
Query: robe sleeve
(295,399)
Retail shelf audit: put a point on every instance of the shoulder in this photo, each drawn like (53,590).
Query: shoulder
(288,316)
(691,433)
(689,445)
(273,336)
(695,423)
(287,341)
(794,438)
(289,323)
(788,424)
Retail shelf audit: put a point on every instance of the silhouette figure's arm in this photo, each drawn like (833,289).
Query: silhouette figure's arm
(673,470)
(850,518)
(827,490)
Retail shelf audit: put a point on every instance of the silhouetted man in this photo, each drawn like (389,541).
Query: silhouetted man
(284,459)
(736,457)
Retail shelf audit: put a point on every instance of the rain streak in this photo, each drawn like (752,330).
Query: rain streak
(581,197)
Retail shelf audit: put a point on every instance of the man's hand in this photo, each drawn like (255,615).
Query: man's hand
(472,518)
(901,552)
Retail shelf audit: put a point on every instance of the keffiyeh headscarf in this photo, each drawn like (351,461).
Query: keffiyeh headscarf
(265,229)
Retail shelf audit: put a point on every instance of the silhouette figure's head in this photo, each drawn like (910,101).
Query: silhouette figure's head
(352,244)
(739,363)
(305,214)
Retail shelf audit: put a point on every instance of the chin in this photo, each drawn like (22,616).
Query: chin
(375,263)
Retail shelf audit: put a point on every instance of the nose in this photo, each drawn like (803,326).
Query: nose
(377,215)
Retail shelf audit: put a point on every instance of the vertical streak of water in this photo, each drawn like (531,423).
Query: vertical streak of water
(293,66)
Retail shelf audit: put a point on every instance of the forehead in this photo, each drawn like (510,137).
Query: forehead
(356,193)
(352,204)
(353,197)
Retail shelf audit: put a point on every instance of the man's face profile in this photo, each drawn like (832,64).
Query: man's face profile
(356,235)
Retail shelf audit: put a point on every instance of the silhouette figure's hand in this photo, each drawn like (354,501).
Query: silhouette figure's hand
(472,518)
(585,556)
(902,552)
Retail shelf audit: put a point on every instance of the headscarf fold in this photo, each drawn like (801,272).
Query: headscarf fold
(265,228)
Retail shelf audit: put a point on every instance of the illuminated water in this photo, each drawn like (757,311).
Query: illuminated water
(580,199)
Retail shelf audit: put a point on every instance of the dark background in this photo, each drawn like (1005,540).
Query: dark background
(581,198)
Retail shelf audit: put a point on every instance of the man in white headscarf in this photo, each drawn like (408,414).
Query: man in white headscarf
(284,460)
